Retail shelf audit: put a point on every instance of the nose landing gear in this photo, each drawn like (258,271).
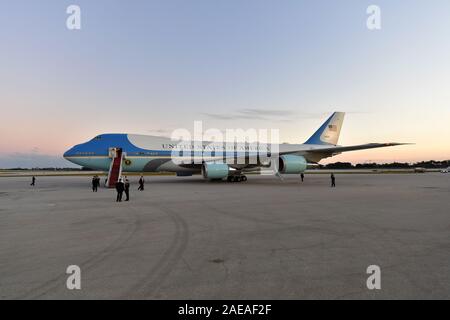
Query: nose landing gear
(237,178)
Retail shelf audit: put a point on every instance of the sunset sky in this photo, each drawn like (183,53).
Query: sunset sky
(150,67)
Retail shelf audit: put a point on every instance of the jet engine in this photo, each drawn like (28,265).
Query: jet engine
(291,164)
(215,170)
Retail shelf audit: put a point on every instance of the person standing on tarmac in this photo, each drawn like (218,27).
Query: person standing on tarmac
(33,181)
(127,189)
(302,176)
(119,188)
(333,181)
(95,183)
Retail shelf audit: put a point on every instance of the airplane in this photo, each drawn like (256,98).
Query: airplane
(142,153)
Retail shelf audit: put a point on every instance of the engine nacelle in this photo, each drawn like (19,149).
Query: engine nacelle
(291,164)
(215,170)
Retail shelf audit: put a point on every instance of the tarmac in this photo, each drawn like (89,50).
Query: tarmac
(187,238)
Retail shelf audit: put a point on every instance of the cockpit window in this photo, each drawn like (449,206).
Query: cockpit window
(97,138)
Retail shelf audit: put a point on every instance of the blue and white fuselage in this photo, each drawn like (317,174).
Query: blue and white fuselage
(144,153)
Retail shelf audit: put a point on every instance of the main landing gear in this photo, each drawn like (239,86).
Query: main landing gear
(237,178)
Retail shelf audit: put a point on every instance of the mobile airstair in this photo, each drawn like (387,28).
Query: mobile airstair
(115,169)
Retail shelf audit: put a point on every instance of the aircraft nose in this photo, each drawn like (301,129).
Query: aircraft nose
(68,153)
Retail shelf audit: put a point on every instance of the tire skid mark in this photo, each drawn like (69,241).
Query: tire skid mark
(88,264)
(154,279)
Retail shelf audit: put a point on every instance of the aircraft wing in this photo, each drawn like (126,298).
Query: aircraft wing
(314,155)
(339,149)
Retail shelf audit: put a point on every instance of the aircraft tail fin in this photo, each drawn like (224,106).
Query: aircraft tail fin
(328,133)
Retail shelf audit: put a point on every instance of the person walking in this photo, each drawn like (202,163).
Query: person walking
(302,176)
(119,188)
(333,180)
(141,183)
(127,189)
(33,181)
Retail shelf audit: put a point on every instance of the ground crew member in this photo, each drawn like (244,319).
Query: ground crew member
(302,176)
(333,181)
(33,181)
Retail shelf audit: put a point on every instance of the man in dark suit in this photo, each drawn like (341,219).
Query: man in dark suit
(127,189)
(94,184)
(120,187)
(141,184)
